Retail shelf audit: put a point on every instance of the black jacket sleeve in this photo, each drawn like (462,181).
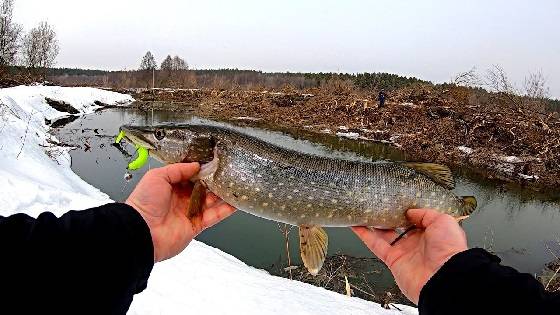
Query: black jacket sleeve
(85,262)
(474,282)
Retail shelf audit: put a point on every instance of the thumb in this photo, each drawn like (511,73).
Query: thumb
(178,172)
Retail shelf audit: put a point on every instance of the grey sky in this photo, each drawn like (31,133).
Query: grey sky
(432,40)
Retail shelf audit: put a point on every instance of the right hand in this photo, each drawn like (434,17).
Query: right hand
(413,260)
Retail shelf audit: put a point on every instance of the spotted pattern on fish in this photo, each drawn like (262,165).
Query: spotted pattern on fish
(301,189)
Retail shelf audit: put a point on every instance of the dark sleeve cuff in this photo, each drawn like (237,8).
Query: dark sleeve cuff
(463,262)
(143,244)
(114,241)
(474,282)
(444,280)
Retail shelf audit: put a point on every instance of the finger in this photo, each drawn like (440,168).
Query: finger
(177,173)
(216,214)
(422,218)
(375,240)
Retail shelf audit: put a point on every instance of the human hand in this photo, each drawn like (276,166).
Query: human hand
(413,260)
(162,197)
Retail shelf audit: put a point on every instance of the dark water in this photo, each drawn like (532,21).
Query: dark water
(516,225)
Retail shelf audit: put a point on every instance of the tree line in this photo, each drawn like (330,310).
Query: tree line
(35,49)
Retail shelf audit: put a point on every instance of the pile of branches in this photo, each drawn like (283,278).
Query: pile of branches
(350,276)
(550,277)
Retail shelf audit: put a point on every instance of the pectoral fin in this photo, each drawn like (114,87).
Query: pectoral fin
(194,210)
(469,205)
(313,243)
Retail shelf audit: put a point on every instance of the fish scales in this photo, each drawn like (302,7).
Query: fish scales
(314,194)
(301,189)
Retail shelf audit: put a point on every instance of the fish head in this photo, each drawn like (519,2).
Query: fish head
(172,144)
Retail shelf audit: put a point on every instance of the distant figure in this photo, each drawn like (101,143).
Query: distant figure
(381,97)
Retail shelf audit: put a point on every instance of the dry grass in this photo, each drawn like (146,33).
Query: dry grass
(361,274)
(550,277)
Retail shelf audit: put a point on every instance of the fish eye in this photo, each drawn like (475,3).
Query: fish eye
(159,134)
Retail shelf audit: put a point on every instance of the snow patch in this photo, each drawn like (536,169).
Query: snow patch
(511,159)
(246,118)
(466,150)
(349,135)
(528,177)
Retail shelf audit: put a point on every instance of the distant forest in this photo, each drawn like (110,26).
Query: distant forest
(224,78)
(235,78)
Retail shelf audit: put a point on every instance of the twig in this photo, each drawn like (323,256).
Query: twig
(25,136)
(552,278)
(285,229)
(551,252)
(356,288)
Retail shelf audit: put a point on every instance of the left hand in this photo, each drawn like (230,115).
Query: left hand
(162,197)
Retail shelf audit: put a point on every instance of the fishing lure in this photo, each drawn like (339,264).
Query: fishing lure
(142,157)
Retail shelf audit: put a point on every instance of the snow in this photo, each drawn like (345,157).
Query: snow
(511,159)
(246,118)
(349,135)
(466,150)
(221,284)
(528,177)
(200,280)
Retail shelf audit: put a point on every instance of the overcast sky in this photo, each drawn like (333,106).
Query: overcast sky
(433,40)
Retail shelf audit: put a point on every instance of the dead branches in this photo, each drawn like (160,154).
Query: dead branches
(285,229)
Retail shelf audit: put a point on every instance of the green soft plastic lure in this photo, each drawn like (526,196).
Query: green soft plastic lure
(142,157)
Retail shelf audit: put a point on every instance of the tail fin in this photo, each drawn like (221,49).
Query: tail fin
(469,205)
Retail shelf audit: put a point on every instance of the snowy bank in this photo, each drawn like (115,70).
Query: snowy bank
(35,176)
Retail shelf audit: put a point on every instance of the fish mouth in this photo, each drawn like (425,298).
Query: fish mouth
(135,134)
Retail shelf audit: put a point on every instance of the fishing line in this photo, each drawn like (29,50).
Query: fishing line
(127,175)
(403,234)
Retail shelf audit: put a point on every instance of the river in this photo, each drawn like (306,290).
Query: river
(521,227)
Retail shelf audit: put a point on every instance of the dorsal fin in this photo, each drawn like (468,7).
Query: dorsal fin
(439,173)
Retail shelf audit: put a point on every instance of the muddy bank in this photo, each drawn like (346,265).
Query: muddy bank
(455,126)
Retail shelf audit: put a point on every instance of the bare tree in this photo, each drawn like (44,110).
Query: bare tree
(40,47)
(535,86)
(10,33)
(167,64)
(469,78)
(179,63)
(498,81)
(148,62)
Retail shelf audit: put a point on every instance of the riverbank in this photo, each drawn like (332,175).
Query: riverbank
(460,127)
(35,176)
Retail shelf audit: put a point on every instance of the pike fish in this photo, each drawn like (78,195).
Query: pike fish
(300,189)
